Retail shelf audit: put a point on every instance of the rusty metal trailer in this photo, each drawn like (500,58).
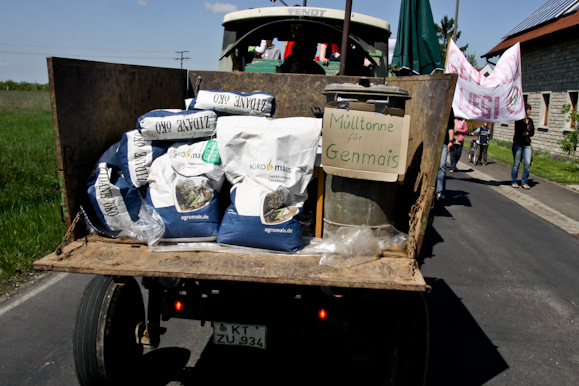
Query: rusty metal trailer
(94,103)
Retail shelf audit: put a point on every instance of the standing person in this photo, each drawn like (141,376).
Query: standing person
(268,50)
(301,60)
(460,129)
(522,151)
(448,144)
(484,134)
(334,54)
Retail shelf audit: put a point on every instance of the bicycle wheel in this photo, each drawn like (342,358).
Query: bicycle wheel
(476,156)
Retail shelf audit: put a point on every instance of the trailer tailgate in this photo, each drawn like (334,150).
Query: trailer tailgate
(95,255)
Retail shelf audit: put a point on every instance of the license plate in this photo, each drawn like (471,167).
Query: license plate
(239,334)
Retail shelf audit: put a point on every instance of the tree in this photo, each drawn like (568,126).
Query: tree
(22,86)
(571,139)
(444,32)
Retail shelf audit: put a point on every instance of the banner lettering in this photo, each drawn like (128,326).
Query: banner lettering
(496,98)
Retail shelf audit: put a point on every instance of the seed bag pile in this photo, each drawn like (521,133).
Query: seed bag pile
(162,180)
(269,162)
(118,187)
(175,162)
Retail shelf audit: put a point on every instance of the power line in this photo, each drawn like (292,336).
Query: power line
(181,58)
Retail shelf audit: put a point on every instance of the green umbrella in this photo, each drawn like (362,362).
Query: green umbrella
(417,47)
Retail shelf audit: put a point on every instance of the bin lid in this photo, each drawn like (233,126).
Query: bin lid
(366,90)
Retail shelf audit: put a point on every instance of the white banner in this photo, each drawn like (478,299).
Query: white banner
(496,98)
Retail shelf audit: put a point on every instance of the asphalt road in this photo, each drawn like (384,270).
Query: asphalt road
(504,306)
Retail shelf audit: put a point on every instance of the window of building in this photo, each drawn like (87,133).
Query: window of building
(544,117)
(571,100)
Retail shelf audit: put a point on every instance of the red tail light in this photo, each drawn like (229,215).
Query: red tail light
(178,305)
(322,314)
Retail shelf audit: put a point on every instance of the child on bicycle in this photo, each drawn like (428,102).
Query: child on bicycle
(484,134)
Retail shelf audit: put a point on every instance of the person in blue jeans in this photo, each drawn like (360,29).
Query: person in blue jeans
(522,151)
(448,145)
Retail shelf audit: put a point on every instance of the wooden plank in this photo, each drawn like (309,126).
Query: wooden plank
(126,259)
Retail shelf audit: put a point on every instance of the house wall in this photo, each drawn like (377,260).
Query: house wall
(550,67)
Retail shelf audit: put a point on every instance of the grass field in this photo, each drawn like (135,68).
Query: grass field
(30,224)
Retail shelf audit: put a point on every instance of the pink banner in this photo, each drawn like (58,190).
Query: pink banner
(496,98)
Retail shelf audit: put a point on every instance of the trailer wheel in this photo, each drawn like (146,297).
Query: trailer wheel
(104,344)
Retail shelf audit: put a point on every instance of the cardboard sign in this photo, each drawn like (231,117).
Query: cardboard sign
(360,143)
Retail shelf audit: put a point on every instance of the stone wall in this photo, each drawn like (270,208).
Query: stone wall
(550,66)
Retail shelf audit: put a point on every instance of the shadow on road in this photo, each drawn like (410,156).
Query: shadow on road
(460,351)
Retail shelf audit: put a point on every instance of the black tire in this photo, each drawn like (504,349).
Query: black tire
(104,344)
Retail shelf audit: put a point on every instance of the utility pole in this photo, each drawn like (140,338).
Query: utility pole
(181,58)
(455,23)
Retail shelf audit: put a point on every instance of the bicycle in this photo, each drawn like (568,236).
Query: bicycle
(472,150)
(478,152)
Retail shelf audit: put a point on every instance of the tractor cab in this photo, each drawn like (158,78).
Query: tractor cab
(367,48)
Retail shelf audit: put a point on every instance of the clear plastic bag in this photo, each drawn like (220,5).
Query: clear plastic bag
(391,239)
(148,229)
(352,246)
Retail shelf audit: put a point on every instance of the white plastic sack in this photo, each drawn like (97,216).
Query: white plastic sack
(259,103)
(115,201)
(136,154)
(177,125)
(183,188)
(269,163)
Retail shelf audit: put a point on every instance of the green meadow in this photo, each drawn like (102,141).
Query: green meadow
(30,224)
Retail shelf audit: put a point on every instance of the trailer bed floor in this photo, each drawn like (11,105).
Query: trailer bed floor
(97,255)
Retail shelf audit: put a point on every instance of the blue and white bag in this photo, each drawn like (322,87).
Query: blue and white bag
(269,163)
(177,125)
(136,154)
(183,189)
(259,103)
(115,201)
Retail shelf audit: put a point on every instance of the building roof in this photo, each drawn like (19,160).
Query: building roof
(552,9)
(551,26)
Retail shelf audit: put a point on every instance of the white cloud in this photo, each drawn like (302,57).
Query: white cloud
(4,64)
(220,7)
(143,2)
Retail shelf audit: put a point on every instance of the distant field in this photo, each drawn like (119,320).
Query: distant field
(30,224)
(17,101)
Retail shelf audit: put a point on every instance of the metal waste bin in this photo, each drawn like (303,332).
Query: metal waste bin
(352,202)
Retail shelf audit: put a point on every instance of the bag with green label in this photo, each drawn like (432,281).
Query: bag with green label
(183,188)
(269,163)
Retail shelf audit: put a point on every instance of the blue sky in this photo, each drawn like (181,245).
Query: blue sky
(150,32)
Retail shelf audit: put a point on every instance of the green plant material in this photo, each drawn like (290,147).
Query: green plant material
(10,85)
(30,224)
(444,32)
(570,140)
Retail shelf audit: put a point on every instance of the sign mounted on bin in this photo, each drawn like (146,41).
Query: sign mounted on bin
(364,141)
